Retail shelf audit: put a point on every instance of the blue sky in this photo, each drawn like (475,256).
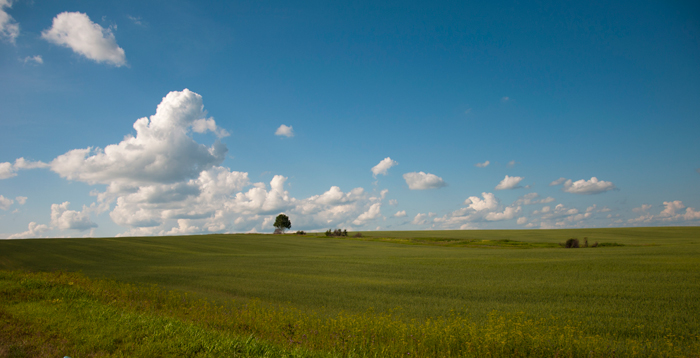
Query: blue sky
(177,117)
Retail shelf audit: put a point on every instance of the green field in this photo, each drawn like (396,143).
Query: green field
(470,293)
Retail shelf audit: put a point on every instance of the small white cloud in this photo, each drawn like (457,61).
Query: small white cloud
(482,165)
(76,31)
(522,220)
(285,131)
(642,208)
(592,186)
(35,230)
(21,200)
(183,228)
(490,202)
(6,170)
(35,59)
(507,214)
(9,28)
(509,183)
(646,218)
(372,213)
(671,207)
(673,211)
(505,99)
(63,218)
(511,163)
(400,214)
(423,181)
(420,219)
(383,166)
(393,202)
(5,203)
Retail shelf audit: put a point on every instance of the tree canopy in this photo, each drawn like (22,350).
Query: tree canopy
(282,222)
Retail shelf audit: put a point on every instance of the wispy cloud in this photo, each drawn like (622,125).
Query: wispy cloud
(400,214)
(136,20)
(33,59)
(482,165)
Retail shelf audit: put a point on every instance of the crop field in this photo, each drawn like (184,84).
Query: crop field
(505,293)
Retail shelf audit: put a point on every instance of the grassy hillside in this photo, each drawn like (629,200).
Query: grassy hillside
(646,290)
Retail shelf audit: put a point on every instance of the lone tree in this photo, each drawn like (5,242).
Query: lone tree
(282,223)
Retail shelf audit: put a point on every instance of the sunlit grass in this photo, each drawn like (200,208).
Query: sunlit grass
(102,317)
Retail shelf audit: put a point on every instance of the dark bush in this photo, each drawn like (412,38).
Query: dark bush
(572,243)
(336,232)
(359,234)
(300,232)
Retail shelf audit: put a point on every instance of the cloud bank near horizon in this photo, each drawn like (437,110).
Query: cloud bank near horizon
(161,181)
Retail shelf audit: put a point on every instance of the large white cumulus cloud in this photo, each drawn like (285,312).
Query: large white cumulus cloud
(76,31)
(161,152)
(162,182)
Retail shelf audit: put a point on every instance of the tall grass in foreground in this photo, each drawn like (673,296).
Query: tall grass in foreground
(87,317)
